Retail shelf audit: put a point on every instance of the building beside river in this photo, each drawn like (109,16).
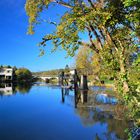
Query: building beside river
(6,74)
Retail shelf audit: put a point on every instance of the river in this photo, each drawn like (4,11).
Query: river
(45,112)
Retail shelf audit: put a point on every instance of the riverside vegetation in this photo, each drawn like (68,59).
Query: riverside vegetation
(113,32)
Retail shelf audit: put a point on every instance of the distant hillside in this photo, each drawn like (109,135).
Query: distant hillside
(50,72)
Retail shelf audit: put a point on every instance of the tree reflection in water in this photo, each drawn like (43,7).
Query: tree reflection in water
(7,89)
(23,88)
(92,112)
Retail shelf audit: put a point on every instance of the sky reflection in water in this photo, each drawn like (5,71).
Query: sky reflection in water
(46,113)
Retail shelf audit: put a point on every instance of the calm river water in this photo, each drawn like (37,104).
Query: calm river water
(43,112)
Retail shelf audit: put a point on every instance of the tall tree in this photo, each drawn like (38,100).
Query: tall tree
(84,60)
(112,28)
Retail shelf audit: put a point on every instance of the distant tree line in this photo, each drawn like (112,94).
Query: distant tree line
(5,66)
(52,72)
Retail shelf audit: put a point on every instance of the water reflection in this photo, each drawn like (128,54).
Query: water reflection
(7,89)
(100,109)
(88,97)
(93,116)
(104,98)
(23,88)
(78,117)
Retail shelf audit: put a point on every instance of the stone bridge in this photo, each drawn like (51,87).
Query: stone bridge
(57,77)
(47,77)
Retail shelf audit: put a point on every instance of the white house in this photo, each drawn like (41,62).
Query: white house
(6,73)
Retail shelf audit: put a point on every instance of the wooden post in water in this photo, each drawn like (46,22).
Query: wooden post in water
(83,83)
(62,78)
(75,80)
(63,96)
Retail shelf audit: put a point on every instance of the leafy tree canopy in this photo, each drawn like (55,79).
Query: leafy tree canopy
(99,19)
(113,30)
(23,74)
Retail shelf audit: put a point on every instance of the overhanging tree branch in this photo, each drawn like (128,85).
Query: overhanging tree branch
(62,3)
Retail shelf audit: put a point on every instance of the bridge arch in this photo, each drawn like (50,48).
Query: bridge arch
(48,78)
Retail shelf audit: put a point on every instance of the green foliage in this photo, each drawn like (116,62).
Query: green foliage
(113,29)
(133,100)
(23,74)
(134,14)
(5,66)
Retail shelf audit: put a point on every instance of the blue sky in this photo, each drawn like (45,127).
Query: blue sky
(21,50)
